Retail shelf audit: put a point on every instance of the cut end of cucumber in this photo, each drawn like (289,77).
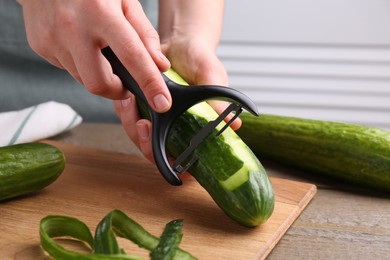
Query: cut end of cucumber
(172,75)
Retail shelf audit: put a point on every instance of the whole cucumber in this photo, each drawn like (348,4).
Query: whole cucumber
(29,167)
(353,153)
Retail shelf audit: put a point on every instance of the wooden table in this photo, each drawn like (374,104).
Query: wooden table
(341,222)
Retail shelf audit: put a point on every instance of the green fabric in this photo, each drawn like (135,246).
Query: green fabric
(27,80)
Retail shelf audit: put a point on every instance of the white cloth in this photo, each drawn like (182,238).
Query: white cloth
(36,123)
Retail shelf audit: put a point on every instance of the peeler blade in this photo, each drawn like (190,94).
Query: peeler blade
(202,134)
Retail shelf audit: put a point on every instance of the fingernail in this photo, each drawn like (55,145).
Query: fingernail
(161,103)
(126,102)
(143,131)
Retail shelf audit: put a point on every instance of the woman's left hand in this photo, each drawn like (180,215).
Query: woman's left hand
(198,66)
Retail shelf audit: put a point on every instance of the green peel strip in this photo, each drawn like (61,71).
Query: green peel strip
(169,241)
(104,245)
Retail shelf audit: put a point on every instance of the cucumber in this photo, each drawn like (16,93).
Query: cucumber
(27,168)
(227,169)
(352,153)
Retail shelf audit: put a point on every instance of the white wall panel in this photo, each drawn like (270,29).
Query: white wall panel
(326,60)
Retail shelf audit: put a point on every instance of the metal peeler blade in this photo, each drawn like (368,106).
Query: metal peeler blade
(202,134)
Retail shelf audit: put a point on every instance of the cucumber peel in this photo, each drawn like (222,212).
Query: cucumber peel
(104,244)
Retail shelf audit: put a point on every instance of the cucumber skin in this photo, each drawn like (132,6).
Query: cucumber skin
(352,153)
(27,168)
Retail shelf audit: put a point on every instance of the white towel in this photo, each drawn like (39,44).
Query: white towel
(36,123)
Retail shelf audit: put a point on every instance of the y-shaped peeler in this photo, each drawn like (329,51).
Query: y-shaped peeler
(183,98)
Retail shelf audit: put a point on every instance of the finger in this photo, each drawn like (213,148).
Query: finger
(139,131)
(96,73)
(66,61)
(129,116)
(144,130)
(131,51)
(52,60)
(213,73)
(117,107)
(147,33)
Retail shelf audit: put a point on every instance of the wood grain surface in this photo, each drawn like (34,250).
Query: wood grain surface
(342,221)
(96,181)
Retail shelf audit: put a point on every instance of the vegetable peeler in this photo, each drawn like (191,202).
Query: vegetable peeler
(183,98)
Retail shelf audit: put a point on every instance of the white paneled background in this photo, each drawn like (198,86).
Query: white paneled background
(327,59)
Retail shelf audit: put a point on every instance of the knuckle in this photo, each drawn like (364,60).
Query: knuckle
(102,9)
(129,46)
(96,88)
(132,8)
(97,6)
(151,34)
(65,21)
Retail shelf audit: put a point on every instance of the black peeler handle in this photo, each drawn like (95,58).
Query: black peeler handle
(127,80)
(161,123)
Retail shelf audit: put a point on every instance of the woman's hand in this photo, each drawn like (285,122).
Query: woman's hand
(196,66)
(189,32)
(197,63)
(70,35)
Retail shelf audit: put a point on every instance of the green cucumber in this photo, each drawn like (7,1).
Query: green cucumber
(352,153)
(227,169)
(27,168)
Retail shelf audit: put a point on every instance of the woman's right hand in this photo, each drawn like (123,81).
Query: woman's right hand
(70,35)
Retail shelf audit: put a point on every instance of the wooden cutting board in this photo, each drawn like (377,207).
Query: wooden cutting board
(95,182)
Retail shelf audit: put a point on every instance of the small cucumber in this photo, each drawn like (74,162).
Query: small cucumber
(29,167)
(352,153)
